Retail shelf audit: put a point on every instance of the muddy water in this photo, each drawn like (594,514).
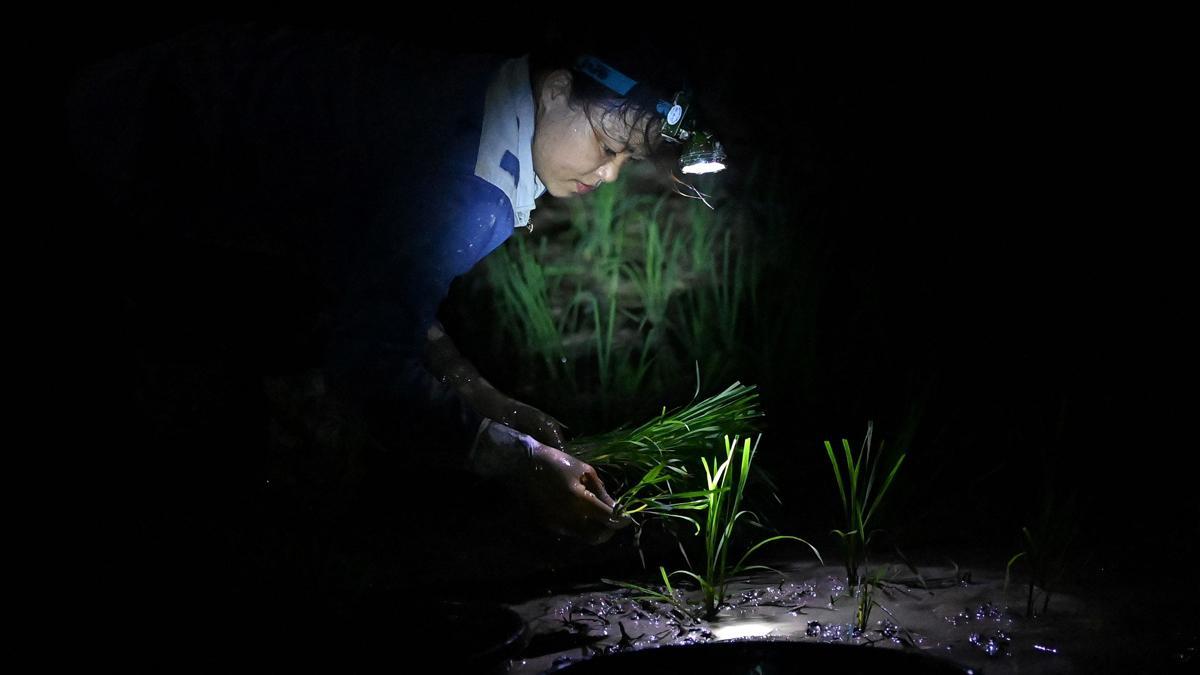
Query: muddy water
(961,615)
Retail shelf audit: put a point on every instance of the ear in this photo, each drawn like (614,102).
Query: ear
(556,89)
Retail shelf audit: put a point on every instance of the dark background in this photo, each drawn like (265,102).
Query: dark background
(980,187)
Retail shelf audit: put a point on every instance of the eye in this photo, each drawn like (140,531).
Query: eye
(604,141)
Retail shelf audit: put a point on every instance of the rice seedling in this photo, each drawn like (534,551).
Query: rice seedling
(710,318)
(620,369)
(596,220)
(659,273)
(523,292)
(1047,546)
(676,439)
(721,503)
(728,292)
(645,285)
(702,239)
(860,500)
(668,595)
(615,316)
(653,495)
(726,485)
(866,602)
(654,467)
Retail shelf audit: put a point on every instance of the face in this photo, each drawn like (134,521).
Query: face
(574,151)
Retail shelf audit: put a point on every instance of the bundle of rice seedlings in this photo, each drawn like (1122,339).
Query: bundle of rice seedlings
(655,465)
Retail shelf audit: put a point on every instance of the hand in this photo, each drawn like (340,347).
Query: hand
(566,494)
(528,419)
(569,498)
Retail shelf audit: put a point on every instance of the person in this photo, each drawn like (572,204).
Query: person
(284,201)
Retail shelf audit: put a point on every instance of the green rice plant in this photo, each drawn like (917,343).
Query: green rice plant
(1047,546)
(653,495)
(726,485)
(602,321)
(676,439)
(523,292)
(704,229)
(729,292)
(657,275)
(866,601)
(689,322)
(620,369)
(630,260)
(596,220)
(860,499)
(605,328)
(608,244)
(709,318)
(721,501)
(653,468)
(667,595)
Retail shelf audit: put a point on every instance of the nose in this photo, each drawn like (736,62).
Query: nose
(610,170)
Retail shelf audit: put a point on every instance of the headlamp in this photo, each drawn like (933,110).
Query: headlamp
(702,152)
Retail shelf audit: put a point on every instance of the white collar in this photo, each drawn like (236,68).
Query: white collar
(507,132)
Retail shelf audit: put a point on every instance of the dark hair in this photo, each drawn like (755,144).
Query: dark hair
(637,108)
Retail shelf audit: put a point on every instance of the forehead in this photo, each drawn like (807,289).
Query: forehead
(627,127)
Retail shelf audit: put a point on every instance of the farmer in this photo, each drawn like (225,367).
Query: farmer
(283,214)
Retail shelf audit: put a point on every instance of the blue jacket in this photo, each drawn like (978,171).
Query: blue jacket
(305,199)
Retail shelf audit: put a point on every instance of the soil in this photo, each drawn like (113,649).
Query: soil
(959,614)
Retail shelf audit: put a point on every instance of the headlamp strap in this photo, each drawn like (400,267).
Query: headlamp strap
(605,74)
